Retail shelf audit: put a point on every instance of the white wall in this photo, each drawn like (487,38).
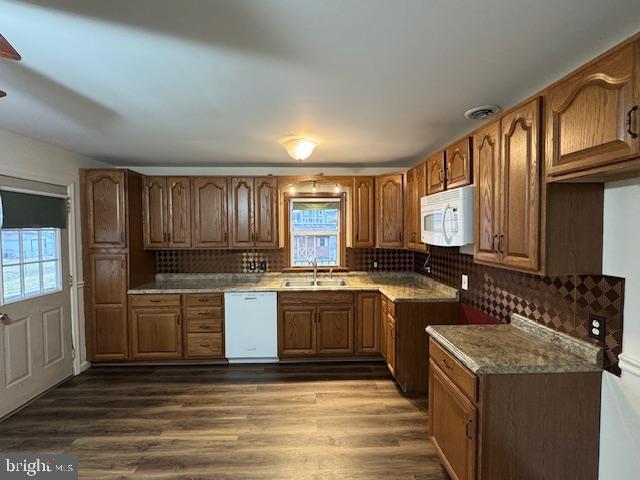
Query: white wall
(31,159)
(620,424)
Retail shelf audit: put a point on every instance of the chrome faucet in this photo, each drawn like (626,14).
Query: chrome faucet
(331,274)
(314,263)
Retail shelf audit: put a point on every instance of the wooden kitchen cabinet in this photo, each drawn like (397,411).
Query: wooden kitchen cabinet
(315,324)
(513,425)
(167,212)
(390,210)
(367,323)
(155,326)
(508,189)
(415,188)
(593,116)
(364,233)
(435,173)
(203,331)
(104,207)
(210,213)
(253,212)
(458,164)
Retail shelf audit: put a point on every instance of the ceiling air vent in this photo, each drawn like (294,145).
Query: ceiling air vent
(482,112)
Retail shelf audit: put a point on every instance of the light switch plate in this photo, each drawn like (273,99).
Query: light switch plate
(465,282)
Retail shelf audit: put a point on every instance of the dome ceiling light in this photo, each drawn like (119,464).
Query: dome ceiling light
(299,148)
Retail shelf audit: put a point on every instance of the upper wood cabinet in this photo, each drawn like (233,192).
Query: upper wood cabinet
(166,206)
(105,209)
(364,234)
(508,189)
(458,164)
(593,116)
(210,220)
(253,212)
(415,188)
(435,173)
(389,206)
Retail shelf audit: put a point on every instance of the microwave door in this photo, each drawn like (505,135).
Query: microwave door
(432,226)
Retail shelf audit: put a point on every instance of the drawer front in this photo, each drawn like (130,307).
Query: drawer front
(204,325)
(204,345)
(317,298)
(163,300)
(204,299)
(460,375)
(204,313)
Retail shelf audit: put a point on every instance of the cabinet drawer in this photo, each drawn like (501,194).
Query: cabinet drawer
(204,325)
(204,345)
(460,375)
(208,299)
(204,312)
(154,300)
(317,298)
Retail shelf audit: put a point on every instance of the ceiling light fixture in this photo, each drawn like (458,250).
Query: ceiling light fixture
(299,148)
(314,188)
(337,188)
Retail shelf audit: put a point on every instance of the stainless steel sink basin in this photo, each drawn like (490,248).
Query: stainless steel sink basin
(337,282)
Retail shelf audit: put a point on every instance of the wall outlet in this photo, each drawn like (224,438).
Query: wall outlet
(596,327)
(465,282)
(375,264)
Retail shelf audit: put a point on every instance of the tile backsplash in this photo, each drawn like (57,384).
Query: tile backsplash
(562,303)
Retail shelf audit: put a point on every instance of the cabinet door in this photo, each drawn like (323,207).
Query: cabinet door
(265,216)
(104,209)
(487,193)
(368,323)
(155,332)
(335,330)
(519,239)
(384,330)
(210,219)
(154,208)
(409,209)
(391,344)
(297,331)
(106,297)
(241,212)
(179,212)
(390,207)
(435,173)
(458,164)
(363,212)
(592,116)
(452,425)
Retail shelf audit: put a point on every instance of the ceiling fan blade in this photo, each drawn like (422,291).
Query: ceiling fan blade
(7,51)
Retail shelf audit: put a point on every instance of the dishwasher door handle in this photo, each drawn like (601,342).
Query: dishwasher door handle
(250,298)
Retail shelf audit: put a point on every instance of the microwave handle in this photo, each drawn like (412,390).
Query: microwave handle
(444,229)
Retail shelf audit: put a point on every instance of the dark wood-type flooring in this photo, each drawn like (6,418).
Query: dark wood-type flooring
(320,421)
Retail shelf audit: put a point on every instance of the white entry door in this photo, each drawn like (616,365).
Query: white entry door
(35,314)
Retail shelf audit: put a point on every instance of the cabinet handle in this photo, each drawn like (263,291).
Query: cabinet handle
(501,244)
(629,121)
(155,300)
(123,264)
(179,319)
(444,362)
(205,345)
(466,429)
(493,244)
(440,177)
(122,239)
(448,174)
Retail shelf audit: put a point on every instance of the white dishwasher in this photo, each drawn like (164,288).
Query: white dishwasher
(251,327)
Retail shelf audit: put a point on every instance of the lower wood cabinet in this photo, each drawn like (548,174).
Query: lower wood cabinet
(334,329)
(204,325)
(404,340)
(524,426)
(368,323)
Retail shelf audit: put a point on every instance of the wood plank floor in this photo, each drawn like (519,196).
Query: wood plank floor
(320,421)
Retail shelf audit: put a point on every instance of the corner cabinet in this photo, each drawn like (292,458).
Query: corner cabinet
(390,210)
(508,189)
(593,116)
(253,212)
(364,223)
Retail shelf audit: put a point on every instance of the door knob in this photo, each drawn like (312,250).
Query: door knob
(4,318)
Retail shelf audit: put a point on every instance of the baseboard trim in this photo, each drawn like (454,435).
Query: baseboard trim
(629,365)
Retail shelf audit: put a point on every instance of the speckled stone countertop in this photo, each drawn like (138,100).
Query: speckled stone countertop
(523,346)
(397,287)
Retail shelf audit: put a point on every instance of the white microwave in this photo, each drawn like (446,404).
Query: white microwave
(447,218)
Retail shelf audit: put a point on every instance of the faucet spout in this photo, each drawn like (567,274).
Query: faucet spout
(314,263)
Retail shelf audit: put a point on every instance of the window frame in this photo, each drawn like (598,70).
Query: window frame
(40,262)
(342,230)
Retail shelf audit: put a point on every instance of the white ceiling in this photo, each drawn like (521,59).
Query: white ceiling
(192,82)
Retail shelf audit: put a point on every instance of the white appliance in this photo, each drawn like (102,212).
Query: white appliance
(251,327)
(447,217)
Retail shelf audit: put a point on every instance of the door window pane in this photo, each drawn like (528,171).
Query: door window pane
(11,283)
(50,277)
(49,239)
(30,246)
(31,279)
(10,247)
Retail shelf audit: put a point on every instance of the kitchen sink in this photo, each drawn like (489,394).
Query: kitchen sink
(338,282)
